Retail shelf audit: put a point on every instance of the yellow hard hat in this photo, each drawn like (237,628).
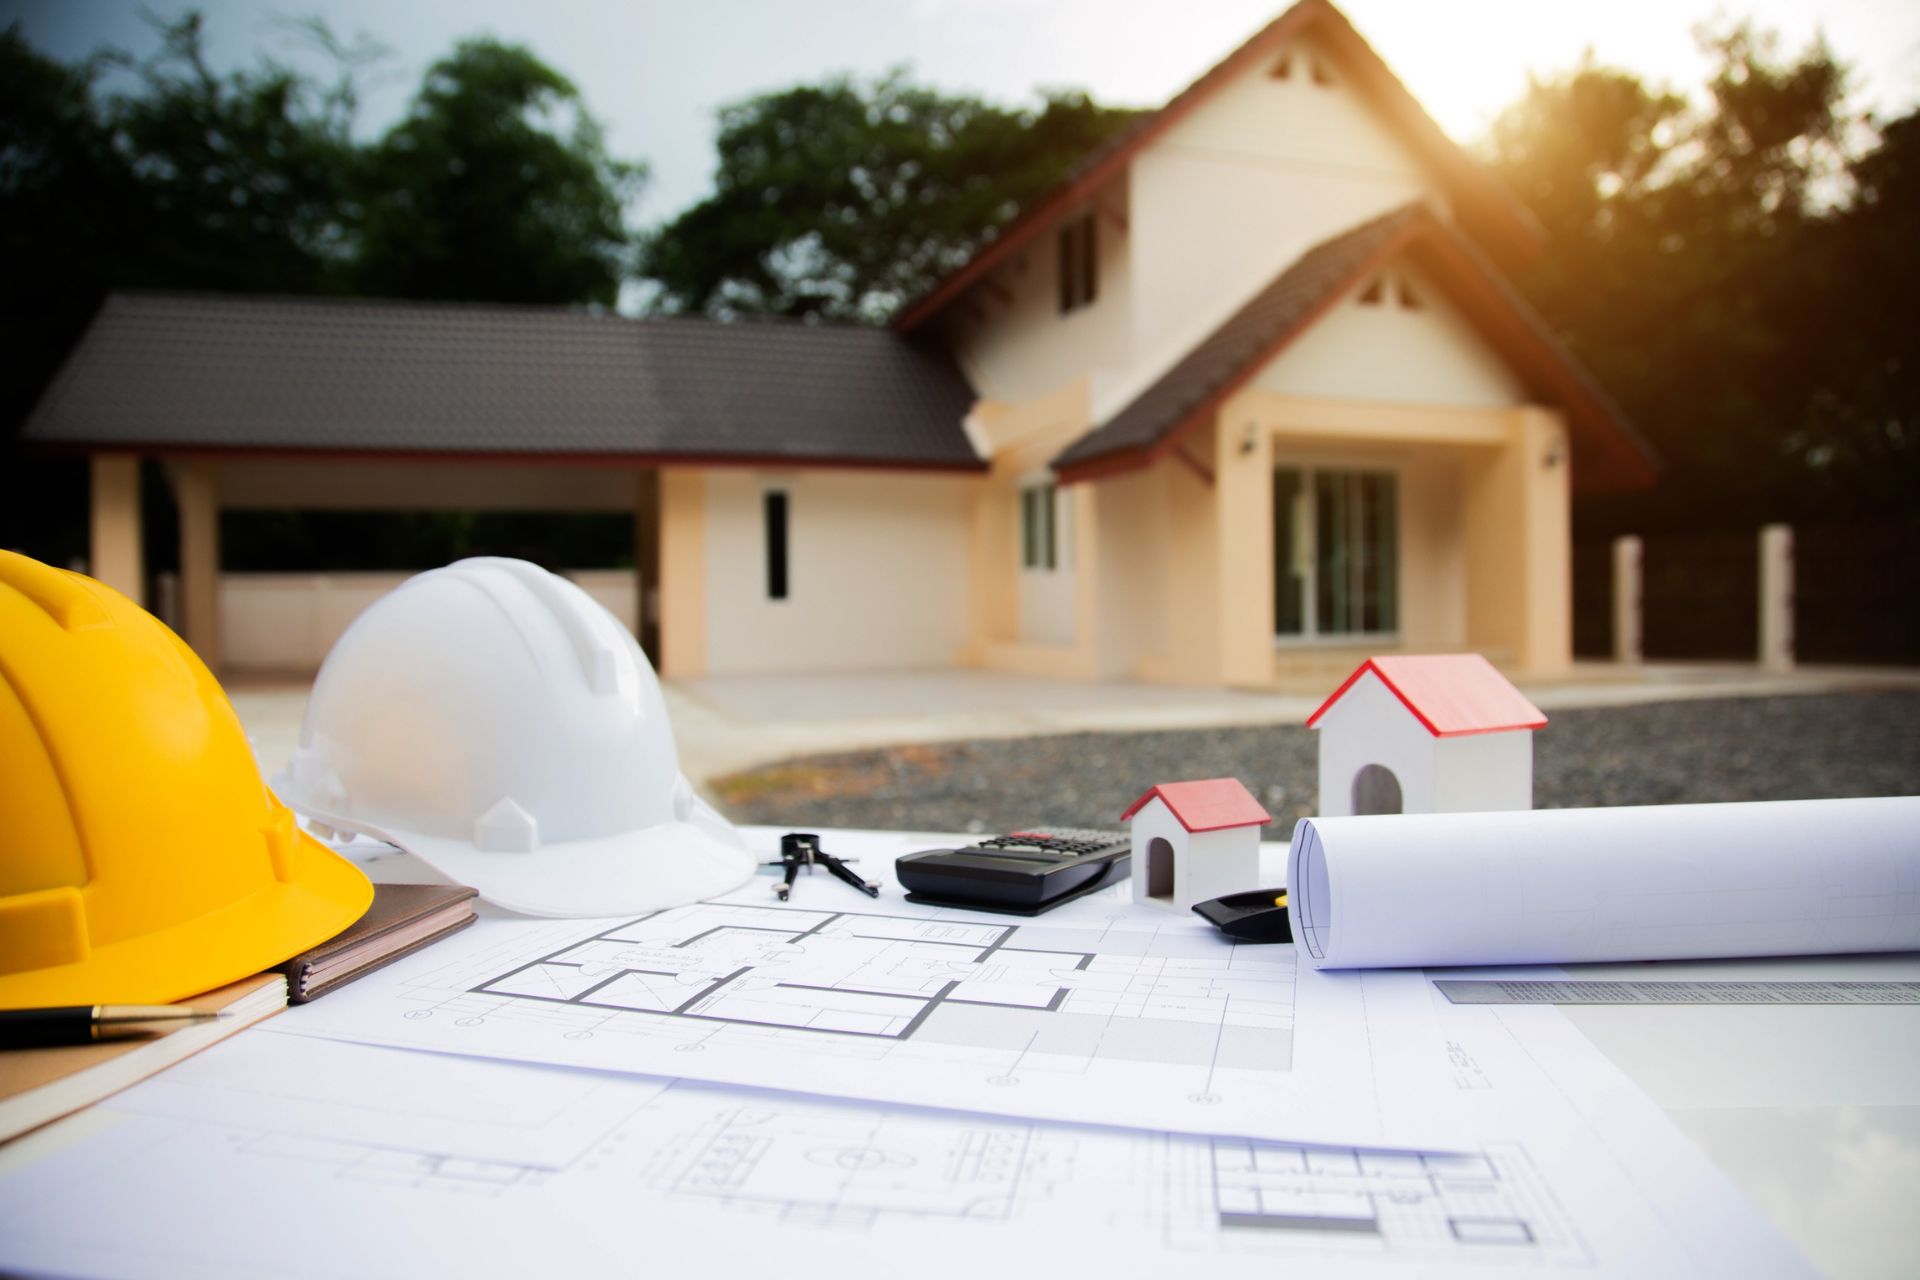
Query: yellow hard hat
(142,859)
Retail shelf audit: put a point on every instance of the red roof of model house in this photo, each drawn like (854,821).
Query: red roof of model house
(1452,694)
(1212,805)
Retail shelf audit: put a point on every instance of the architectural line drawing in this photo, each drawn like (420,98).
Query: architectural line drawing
(1079,1018)
(831,1166)
(837,973)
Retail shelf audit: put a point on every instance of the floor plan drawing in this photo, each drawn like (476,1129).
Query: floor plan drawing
(1164,1025)
(528,1170)
(778,1172)
(887,977)
(855,1167)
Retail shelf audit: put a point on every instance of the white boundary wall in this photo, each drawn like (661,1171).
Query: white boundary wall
(285,623)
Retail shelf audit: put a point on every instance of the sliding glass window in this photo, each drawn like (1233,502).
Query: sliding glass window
(1336,553)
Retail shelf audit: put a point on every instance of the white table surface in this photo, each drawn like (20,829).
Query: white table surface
(1812,1110)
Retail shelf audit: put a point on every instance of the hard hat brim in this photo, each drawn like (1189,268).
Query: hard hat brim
(669,865)
(651,869)
(323,896)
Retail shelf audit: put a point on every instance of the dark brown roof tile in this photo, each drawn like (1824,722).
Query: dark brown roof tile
(204,371)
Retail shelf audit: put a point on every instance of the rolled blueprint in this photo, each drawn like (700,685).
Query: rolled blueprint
(1563,886)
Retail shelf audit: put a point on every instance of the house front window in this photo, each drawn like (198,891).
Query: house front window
(1079,264)
(1039,527)
(773,507)
(1335,553)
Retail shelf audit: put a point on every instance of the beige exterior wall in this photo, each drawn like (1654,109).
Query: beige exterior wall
(1192,574)
(286,623)
(1518,541)
(1009,334)
(114,554)
(1132,532)
(1387,352)
(683,571)
(1028,621)
(1238,190)
(1205,216)
(196,492)
(877,571)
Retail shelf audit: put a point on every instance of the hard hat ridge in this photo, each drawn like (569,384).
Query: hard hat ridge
(601,645)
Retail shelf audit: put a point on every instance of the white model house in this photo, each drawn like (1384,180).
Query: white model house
(1195,840)
(1442,733)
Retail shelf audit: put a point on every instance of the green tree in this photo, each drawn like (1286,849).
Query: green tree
(245,179)
(497,185)
(1858,434)
(186,180)
(846,200)
(1691,263)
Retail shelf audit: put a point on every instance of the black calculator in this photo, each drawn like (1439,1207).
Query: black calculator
(1020,873)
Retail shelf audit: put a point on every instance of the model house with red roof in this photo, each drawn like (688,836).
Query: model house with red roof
(1195,840)
(1425,733)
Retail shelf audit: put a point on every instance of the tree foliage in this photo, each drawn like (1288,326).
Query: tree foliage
(497,185)
(1708,261)
(846,200)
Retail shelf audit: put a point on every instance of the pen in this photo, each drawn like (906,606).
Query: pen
(85,1023)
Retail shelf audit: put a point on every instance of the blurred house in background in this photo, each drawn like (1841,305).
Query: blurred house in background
(1244,397)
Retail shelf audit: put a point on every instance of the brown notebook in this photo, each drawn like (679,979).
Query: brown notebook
(402,919)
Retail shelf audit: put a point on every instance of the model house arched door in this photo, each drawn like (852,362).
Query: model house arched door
(1159,868)
(1377,790)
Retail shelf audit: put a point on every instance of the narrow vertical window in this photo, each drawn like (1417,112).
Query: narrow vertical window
(1050,511)
(775,505)
(1039,527)
(1079,263)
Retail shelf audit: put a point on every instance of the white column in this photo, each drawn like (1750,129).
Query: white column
(1776,597)
(1627,624)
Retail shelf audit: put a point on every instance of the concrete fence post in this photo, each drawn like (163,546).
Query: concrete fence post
(1627,631)
(1776,597)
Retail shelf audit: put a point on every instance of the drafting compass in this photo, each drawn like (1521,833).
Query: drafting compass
(801,850)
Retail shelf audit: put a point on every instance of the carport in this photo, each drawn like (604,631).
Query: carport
(359,405)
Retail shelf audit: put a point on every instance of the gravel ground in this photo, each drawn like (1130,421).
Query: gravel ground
(1789,748)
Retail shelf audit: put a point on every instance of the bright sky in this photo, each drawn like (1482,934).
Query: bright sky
(655,71)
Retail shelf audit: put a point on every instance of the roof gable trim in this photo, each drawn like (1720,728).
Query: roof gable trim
(1349,49)
(1605,439)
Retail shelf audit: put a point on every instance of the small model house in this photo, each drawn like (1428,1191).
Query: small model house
(1195,840)
(1425,734)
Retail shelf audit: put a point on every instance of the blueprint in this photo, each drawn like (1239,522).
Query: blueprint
(1573,1173)
(1157,1023)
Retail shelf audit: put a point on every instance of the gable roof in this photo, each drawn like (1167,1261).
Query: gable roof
(214,373)
(1450,694)
(1608,453)
(1211,805)
(1480,202)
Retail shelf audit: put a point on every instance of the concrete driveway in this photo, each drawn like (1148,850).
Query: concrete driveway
(723,724)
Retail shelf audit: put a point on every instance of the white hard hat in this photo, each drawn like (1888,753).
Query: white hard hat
(493,720)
